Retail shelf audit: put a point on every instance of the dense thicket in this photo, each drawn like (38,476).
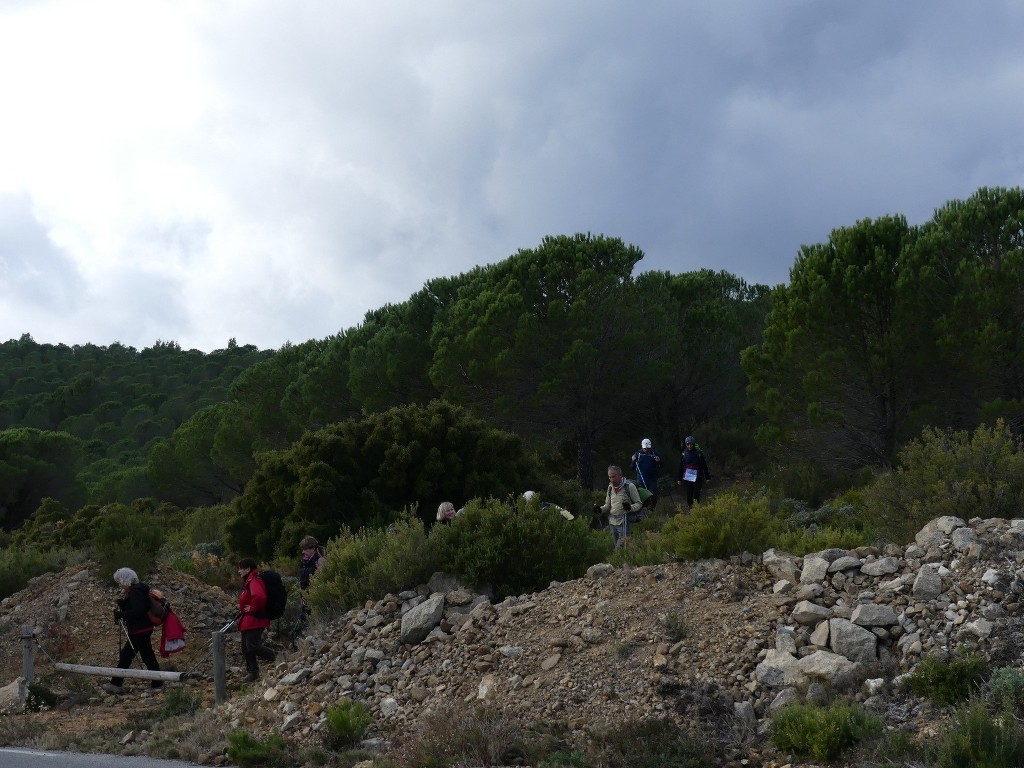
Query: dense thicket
(77,423)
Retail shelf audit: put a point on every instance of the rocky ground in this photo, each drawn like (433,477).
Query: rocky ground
(713,646)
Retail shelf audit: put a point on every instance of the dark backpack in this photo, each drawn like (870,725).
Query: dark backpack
(158,607)
(277,595)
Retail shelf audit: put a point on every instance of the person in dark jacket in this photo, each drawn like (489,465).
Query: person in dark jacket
(647,463)
(252,604)
(311,560)
(132,613)
(693,470)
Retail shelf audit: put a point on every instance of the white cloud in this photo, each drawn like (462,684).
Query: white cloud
(270,171)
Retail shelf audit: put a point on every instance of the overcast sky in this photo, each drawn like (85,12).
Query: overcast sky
(270,170)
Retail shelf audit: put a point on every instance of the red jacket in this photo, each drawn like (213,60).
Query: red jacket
(252,602)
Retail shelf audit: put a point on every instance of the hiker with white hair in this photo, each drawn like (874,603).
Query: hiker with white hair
(445,512)
(647,463)
(132,614)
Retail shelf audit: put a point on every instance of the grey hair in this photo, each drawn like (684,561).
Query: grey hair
(125,577)
(615,467)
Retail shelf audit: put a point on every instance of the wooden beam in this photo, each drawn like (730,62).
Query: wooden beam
(142,674)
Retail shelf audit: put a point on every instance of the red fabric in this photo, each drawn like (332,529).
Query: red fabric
(251,602)
(172,635)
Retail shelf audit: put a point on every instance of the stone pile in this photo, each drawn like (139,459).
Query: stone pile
(853,613)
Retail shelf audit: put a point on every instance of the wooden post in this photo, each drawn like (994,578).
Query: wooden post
(27,634)
(220,687)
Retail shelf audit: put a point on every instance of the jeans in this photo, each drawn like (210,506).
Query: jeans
(620,532)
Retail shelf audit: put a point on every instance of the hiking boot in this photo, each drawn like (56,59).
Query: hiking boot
(252,677)
(111,688)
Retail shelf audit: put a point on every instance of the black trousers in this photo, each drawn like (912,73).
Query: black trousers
(252,646)
(141,644)
(693,491)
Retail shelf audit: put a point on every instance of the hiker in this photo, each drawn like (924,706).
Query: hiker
(311,560)
(693,470)
(309,563)
(132,614)
(647,463)
(252,603)
(620,500)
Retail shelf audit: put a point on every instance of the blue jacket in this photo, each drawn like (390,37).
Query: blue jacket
(647,466)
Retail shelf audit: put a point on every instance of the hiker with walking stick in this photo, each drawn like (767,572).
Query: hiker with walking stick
(647,464)
(133,617)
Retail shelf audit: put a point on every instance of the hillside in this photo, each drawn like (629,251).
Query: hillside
(712,646)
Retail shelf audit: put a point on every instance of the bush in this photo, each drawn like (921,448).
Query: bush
(179,701)
(947,473)
(725,526)
(18,565)
(947,682)
(648,744)
(974,738)
(800,542)
(346,724)
(822,733)
(369,564)
(247,750)
(1006,688)
(128,537)
(516,548)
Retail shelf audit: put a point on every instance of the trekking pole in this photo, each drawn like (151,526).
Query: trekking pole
(125,629)
(209,650)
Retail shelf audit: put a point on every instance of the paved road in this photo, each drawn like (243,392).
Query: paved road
(31,758)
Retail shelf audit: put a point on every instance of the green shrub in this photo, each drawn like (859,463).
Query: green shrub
(346,724)
(371,563)
(947,682)
(127,537)
(1006,688)
(725,526)
(800,542)
(949,473)
(179,701)
(516,548)
(648,744)
(247,750)
(975,740)
(40,697)
(19,564)
(642,547)
(562,760)
(820,732)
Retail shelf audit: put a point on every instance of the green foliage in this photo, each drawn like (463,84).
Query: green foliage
(801,542)
(822,733)
(368,564)
(727,525)
(36,464)
(246,750)
(346,722)
(40,697)
(19,564)
(179,701)
(127,537)
(111,403)
(516,548)
(1006,689)
(562,760)
(643,546)
(947,682)
(676,628)
(648,744)
(975,739)
(949,473)
(361,473)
